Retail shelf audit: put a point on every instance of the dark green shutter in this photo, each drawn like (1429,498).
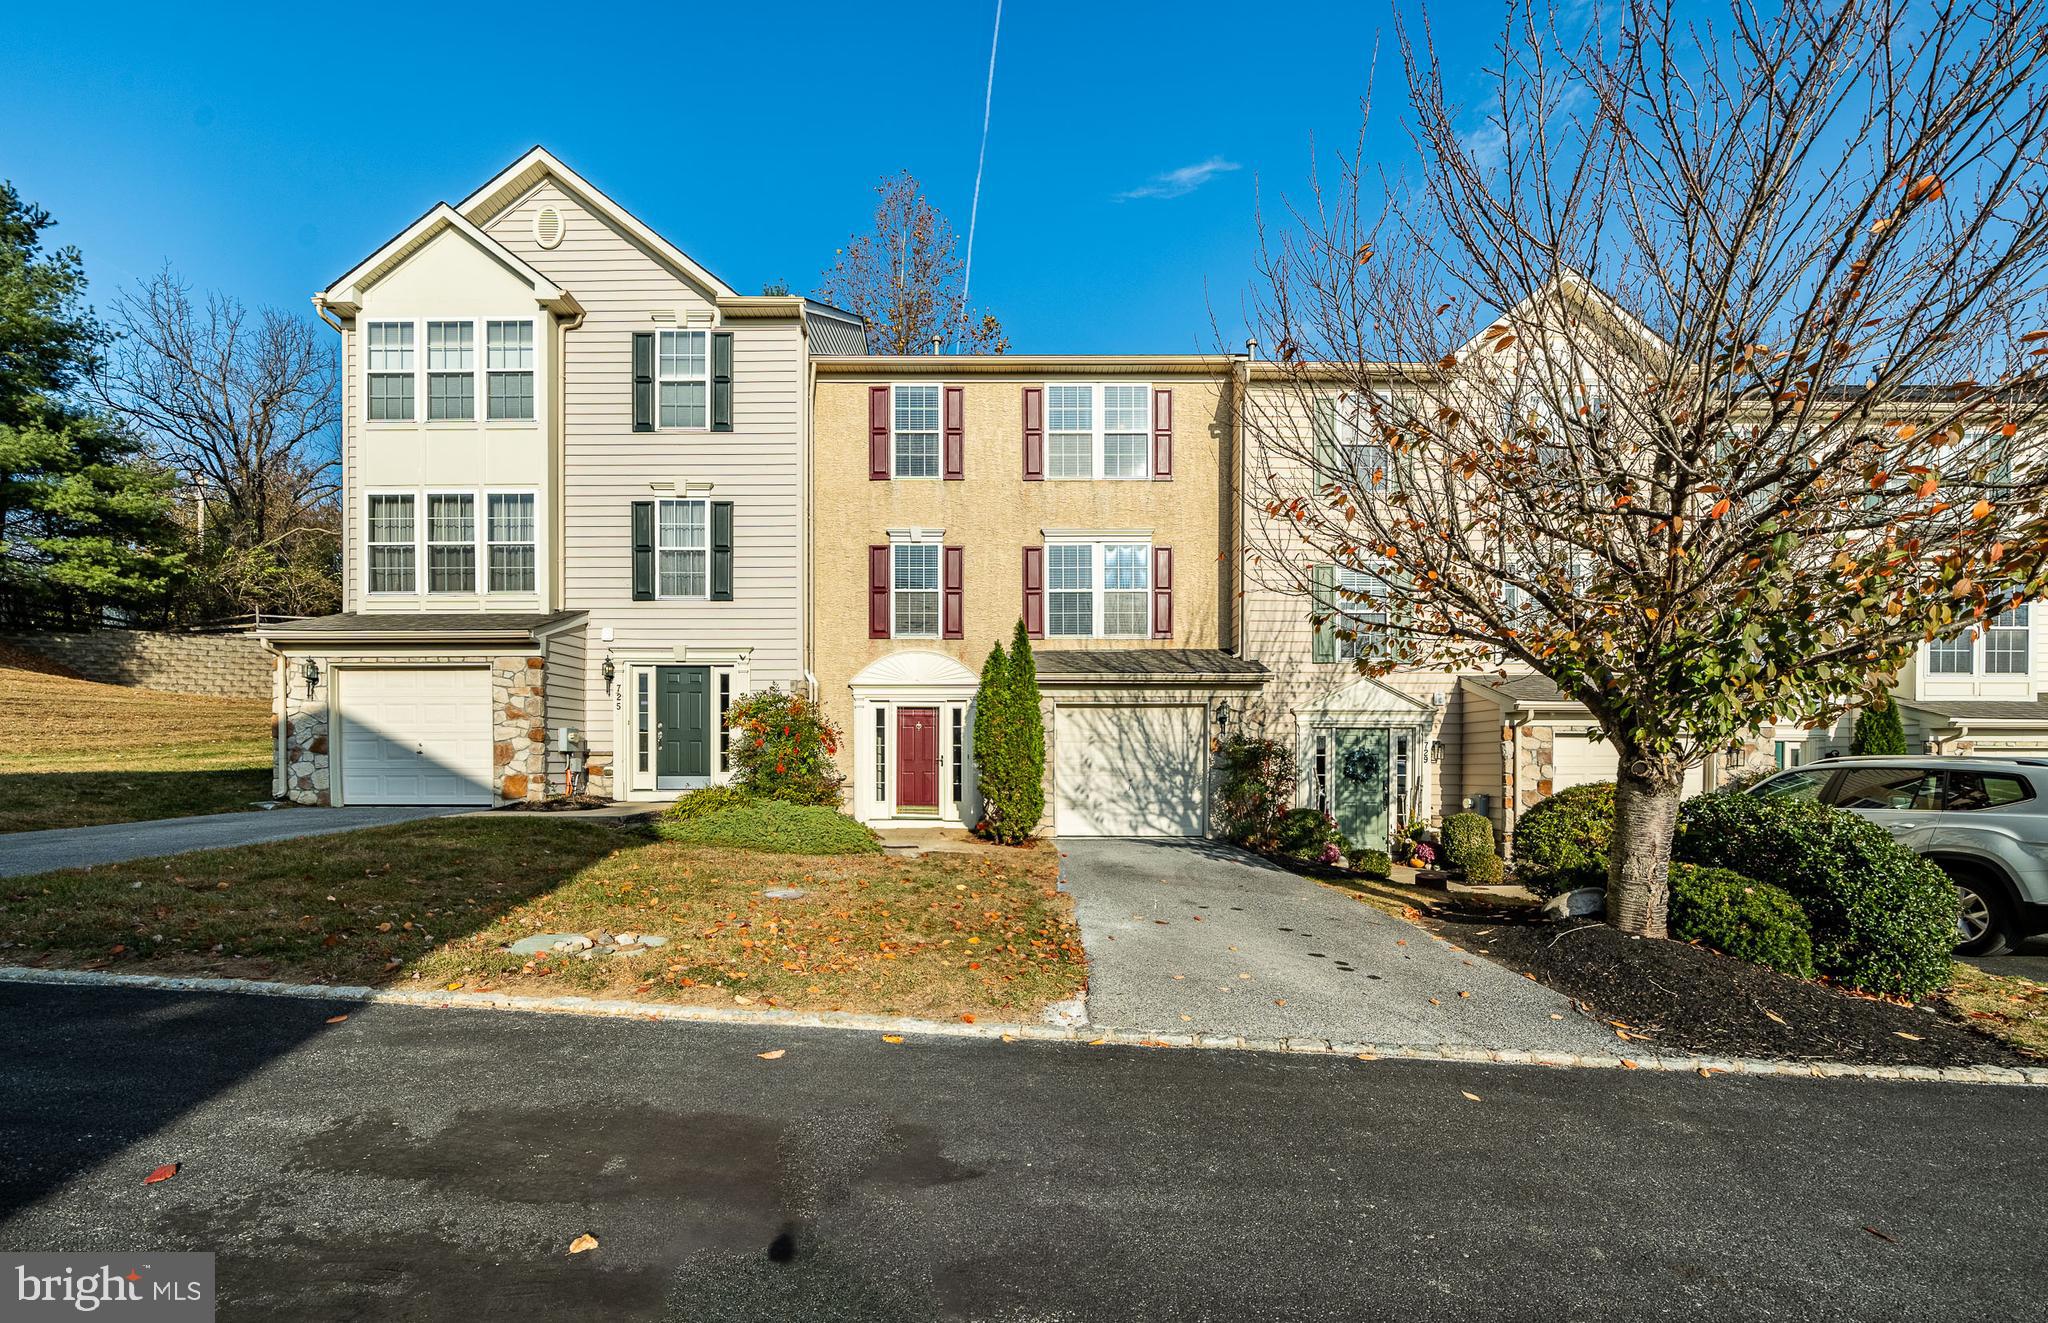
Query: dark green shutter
(1323,599)
(643,551)
(1326,438)
(721,551)
(721,382)
(643,382)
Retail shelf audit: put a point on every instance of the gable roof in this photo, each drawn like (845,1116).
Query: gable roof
(518,179)
(345,295)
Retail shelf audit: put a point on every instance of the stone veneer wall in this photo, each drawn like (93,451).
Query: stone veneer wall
(518,724)
(223,665)
(1532,760)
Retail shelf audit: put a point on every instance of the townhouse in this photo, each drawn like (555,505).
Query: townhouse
(592,494)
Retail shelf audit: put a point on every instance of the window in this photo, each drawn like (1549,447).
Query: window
(1796,785)
(1895,788)
(646,722)
(1076,609)
(451,370)
(1365,453)
(451,542)
(1788,753)
(682,549)
(1983,790)
(2006,643)
(1403,742)
(682,378)
(881,755)
(391,544)
(1097,431)
(959,749)
(917,431)
(1322,772)
(508,358)
(725,721)
(1362,613)
(509,530)
(914,584)
(390,365)
(1956,656)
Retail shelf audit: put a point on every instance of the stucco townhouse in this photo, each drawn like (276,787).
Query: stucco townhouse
(573,466)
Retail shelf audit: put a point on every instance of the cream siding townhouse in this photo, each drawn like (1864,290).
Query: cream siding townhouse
(574,477)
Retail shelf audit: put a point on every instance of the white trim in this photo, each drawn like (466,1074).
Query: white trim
(659,595)
(369,579)
(531,370)
(628,780)
(704,380)
(428,544)
(1098,431)
(1095,534)
(480,542)
(917,534)
(1100,545)
(937,590)
(938,433)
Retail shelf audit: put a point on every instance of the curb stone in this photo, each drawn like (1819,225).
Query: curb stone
(435,999)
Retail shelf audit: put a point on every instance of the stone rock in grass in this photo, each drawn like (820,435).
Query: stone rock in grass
(652,939)
(783,893)
(541,943)
(1573,904)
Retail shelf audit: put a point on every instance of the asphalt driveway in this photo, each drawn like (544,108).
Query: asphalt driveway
(26,852)
(1196,937)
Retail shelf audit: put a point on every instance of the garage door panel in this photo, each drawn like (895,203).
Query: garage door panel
(1129,770)
(1579,760)
(416,736)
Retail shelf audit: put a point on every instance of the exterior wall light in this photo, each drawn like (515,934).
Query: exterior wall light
(312,674)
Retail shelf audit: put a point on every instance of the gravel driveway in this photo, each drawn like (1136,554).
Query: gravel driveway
(1196,937)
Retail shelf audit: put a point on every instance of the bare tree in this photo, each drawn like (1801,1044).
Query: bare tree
(904,278)
(1753,406)
(244,408)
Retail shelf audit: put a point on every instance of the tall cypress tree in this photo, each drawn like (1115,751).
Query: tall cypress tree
(1027,731)
(1879,730)
(991,723)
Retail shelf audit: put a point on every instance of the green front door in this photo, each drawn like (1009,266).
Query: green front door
(682,724)
(1359,771)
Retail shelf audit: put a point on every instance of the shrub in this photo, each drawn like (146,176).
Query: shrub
(782,748)
(1009,743)
(1748,920)
(1879,730)
(1307,833)
(711,799)
(1254,784)
(1371,863)
(773,826)
(1486,870)
(1561,843)
(1883,918)
(1468,837)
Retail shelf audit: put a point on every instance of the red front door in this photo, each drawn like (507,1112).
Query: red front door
(917,759)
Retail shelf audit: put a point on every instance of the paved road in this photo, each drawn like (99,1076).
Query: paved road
(25,852)
(435,1164)
(1265,953)
(2028,959)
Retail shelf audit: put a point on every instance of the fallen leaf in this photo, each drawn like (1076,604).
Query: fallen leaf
(1368,1056)
(776,1055)
(967,1019)
(1629,1065)
(1473,1097)
(336,1019)
(583,1243)
(1705,1073)
(163,1173)
(1178,977)
(1097,1042)
(892,1038)
(1555,1016)
(742,1001)
(1464,994)
(1881,1235)
(1909,1037)
(1279,1001)
(1434,1002)
(1774,1017)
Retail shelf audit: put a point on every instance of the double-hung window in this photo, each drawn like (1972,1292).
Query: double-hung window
(916,431)
(509,536)
(682,376)
(914,590)
(1953,656)
(388,346)
(1366,454)
(451,370)
(508,360)
(1362,609)
(1098,431)
(2007,643)
(391,543)
(1098,589)
(682,548)
(451,542)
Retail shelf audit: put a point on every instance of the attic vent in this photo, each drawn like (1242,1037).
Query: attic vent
(547,227)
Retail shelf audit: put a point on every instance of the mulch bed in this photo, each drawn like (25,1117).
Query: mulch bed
(559,804)
(1676,998)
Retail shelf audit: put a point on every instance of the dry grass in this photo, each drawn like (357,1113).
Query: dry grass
(2012,1010)
(433,904)
(78,753)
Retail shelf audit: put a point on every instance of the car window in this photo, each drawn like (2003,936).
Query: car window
(1897,788)
(1981,790)
(1796,785)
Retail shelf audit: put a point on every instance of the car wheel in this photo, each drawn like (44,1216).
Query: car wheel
(1983,926)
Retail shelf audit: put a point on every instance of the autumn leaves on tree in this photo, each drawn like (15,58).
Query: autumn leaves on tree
(906,279)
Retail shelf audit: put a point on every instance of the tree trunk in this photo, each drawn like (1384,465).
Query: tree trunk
(1639,858)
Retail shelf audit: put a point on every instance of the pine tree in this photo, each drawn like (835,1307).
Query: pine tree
(1879,730)
(1027,730)
(991,704)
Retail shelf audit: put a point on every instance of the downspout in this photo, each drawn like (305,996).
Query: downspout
(559,518)
(278,717)
(805,423)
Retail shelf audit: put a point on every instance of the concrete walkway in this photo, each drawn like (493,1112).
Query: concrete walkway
(25,852)
(1195,937)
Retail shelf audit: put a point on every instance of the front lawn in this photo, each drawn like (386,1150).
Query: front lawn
(78,753)
(431,904)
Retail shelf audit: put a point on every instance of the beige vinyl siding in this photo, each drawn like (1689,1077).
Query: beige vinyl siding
(608,466)
(566,706)
(1481,768)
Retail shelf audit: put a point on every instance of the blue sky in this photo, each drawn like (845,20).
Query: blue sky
(263,152)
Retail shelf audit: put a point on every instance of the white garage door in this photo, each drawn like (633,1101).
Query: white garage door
(1579,760)
(415,737)
(1129,771)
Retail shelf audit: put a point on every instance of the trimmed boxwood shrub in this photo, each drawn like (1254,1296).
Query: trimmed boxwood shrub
(1486,870)
(1371,863)
(1751,921)
(1561,843)
(1884,919)
(1307,833)
(710,799)
(773,826)
(1468,838)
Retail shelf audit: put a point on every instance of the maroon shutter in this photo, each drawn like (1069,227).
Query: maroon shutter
(952,616)
(1162,436)
(878,435)
(1034,434)
(1162,591)
(878,592)
(956,432)
(1034,592)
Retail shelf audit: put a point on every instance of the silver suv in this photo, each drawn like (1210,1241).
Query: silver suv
(1983,821)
